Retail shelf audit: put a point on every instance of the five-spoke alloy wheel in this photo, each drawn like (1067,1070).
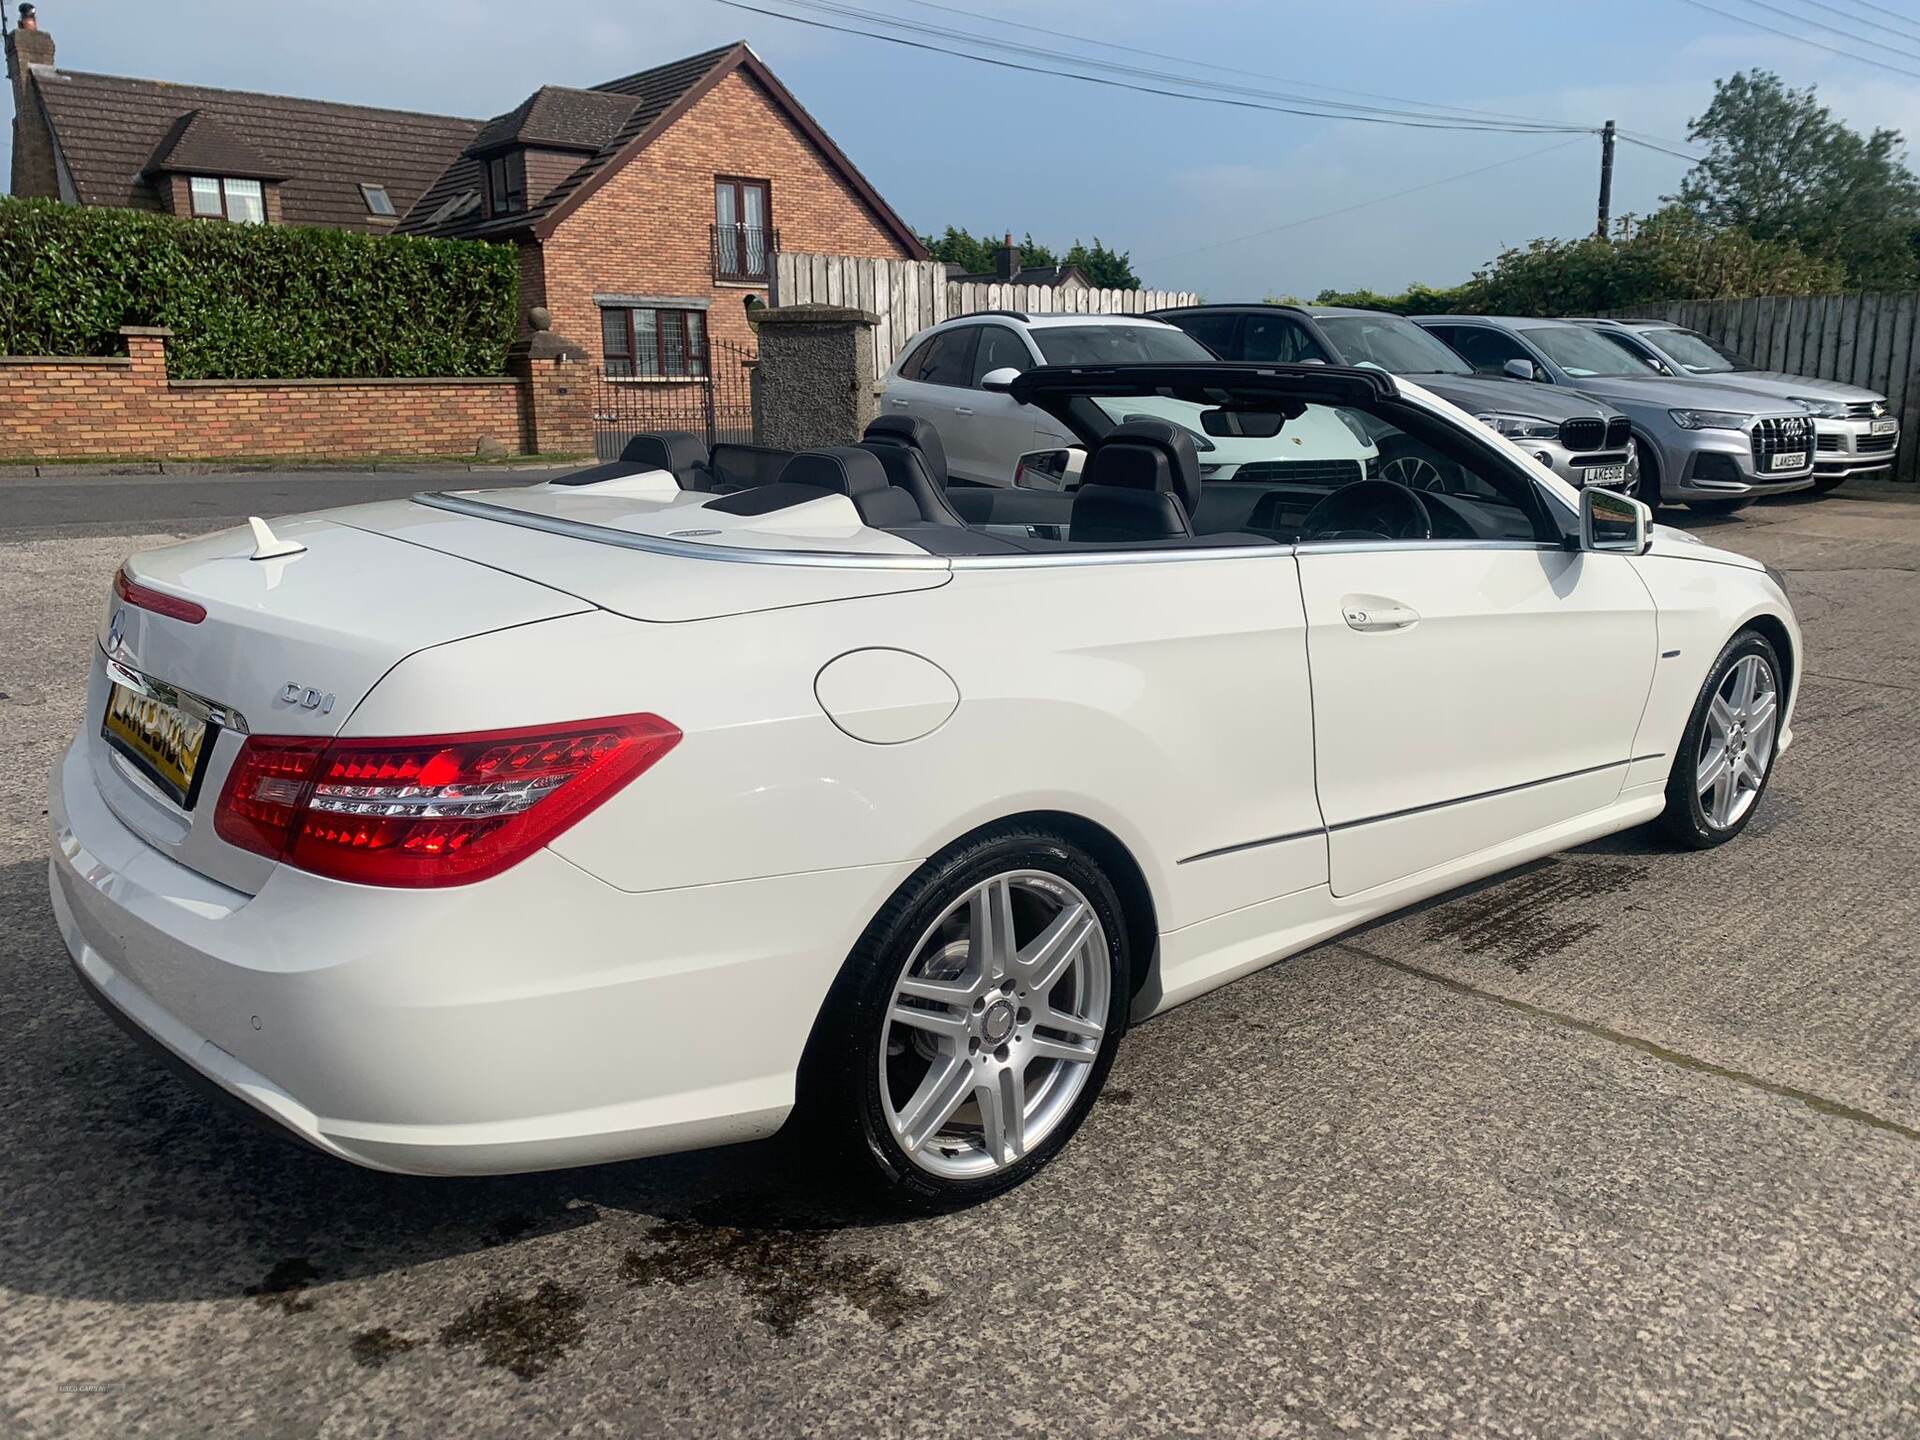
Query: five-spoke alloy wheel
(976,1020)
(1727,751)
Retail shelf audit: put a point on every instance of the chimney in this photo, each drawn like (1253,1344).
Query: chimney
(1006,260)
(33,168)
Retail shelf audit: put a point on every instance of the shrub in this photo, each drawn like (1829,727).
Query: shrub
(253,301)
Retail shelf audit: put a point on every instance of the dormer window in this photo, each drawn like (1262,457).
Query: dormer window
(507,183)
(223,198)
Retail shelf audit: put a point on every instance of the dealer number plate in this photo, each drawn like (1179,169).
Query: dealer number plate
(1884,427)
(1605,475)
(163,742)
(1788,460)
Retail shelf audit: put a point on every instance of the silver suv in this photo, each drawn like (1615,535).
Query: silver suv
(1854,434)
(1711,447)
(1582,440)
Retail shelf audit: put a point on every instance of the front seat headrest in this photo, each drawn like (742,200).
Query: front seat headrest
(1147,455)
(850,471)
(915,433)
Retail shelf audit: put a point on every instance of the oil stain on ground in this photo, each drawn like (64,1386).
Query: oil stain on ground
(374,1348)
(521,1333)
(786,1273)
(1534,915)
(283,1285)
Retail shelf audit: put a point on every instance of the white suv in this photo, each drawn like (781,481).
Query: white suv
(985,432)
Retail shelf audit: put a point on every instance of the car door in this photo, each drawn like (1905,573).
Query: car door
(998,428)
(1467,692)
(933,384)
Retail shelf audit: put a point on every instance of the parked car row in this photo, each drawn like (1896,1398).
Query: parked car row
(1647,407)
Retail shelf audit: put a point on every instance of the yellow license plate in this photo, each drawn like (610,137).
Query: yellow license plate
(165,744)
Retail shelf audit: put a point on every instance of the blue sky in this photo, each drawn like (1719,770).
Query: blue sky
(1169,180)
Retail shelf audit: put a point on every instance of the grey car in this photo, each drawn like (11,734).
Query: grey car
(1711,447)
(1854,434)
(1582,440)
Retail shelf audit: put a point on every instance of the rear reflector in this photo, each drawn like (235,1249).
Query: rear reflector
(145,597)
(428,809)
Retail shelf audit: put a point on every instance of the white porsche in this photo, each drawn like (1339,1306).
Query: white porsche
(630,813)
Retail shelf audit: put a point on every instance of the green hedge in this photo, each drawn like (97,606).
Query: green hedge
(252,301)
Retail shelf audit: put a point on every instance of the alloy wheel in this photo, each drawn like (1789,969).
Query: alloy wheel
(995,1024)
(1736,744)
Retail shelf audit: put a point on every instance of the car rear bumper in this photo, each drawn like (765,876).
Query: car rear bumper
(536,1020)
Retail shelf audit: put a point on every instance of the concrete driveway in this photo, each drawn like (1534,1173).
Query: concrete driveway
(1626,1143)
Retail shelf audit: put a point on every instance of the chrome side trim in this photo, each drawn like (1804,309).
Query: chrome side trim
(1253,845)
(1489,794)
(1305,548)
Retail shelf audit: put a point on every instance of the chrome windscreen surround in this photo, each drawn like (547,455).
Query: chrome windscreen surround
(213,712)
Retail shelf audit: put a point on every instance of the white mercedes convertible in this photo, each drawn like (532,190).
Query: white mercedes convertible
(634,811)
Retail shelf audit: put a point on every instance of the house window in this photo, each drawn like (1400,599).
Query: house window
(507,182)
(241,201)
(651,344)
(378,201)
(743,235)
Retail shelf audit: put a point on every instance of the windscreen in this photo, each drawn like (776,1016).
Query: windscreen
(1117,345)
(1697,354)
(1581,353)
(1397,346)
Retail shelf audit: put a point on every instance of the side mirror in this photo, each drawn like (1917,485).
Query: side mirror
(999,380)
(1518,370)
(1050,469)
(1610,521)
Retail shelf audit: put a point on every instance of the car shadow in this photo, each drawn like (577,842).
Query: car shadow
(124,1184)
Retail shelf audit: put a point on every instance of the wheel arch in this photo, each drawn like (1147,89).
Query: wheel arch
(1775,631)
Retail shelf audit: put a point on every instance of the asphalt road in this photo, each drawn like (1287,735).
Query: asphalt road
(1624,1144)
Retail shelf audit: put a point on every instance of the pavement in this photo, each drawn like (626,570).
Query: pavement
(1626,1143)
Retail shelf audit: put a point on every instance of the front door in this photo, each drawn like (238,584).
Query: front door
(1466,691)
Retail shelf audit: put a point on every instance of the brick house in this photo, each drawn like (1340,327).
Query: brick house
(646,209)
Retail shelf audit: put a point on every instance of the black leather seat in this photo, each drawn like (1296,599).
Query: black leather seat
(858,474)
(1142,482)
(915,460)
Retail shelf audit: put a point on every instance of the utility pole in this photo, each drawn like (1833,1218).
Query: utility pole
(1606,180)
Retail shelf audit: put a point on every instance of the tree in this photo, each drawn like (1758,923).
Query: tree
(977,255)
(1782,169)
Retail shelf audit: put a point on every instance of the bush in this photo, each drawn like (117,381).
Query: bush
(253,301)
(1414,300)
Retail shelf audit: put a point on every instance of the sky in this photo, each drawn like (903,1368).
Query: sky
(1204,197)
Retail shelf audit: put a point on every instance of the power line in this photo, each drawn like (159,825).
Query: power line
(1230,69)
(1869,5)
(1801,39)
(1321,113)
(1800,19)
(1908,32)
(1649,145)
(1363,204)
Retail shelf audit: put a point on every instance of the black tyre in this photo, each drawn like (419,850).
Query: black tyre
(974,1024)
(1649,483)
(1718,507)
(1726,753)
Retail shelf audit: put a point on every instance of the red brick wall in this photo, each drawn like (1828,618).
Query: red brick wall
(128,409)
(646,230)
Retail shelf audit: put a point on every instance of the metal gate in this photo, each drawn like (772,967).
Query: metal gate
(717,406)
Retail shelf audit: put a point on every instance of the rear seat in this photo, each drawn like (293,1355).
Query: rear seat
(682,454)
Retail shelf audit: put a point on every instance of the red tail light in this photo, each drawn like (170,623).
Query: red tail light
(428,809)
(145,597)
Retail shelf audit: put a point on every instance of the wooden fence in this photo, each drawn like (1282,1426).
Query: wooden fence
(1867,340)
(909,295)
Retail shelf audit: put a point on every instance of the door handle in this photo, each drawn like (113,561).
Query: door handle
(963,409)
(1373,614)
(901,404)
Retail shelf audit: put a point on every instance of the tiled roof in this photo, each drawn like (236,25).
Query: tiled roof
(556,118)
(111,129)
(639,99)
(197,144)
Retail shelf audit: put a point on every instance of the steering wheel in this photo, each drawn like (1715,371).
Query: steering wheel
(1369,510)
